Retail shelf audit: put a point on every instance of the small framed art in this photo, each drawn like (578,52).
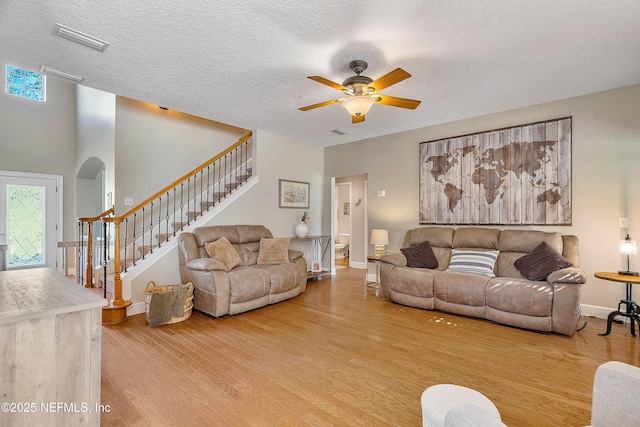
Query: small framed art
(293,194)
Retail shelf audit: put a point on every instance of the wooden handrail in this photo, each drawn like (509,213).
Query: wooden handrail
(119,304)
(108,212)
(182,179)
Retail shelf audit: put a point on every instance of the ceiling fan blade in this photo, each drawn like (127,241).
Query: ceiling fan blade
(357,119)
(327,82)
(392,101)
(395,76)
(321,104)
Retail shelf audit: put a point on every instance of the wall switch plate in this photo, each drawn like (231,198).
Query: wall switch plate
(623,222)
(128,201)
(381,192)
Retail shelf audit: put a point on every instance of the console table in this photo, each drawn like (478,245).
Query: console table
(319,247)
(50,352)
(631,310)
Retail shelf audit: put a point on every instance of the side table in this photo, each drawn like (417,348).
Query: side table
(631,310)
(367,284)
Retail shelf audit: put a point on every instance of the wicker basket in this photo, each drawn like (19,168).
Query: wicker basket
(153,288)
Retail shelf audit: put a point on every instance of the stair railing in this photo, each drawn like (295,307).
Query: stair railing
(92,246)
(169,210)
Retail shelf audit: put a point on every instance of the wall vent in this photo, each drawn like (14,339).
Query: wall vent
(81,38)
(340,132)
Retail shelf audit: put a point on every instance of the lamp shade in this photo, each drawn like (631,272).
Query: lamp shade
(628,246)
(379,237)
(358,105)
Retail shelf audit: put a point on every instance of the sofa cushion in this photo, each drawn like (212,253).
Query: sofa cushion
(520,296)
(476,238)
(460,288)
(273,251)
(475,262)
(222,250)
(413,282)
(420,256)
(541,262)
(249,284)
(437,236)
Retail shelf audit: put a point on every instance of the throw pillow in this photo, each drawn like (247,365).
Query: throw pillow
(475,262)
(222,250)
(420,256)
(273,251)
(540,262)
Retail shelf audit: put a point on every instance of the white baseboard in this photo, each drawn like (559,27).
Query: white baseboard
(371,277)
(136,308)
(596,311)
(360,265)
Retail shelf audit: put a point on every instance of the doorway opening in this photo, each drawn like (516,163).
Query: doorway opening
(349,221)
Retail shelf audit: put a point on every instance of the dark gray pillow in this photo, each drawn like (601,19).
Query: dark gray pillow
(540,262)
(420,256)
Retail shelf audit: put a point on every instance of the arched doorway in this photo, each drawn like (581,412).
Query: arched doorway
(90,188)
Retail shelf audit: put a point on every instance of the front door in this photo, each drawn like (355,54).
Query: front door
(28,219)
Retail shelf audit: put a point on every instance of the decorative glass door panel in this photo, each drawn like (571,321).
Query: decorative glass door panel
(28,217)
(25,226)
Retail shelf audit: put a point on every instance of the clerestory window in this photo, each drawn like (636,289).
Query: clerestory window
(25,83)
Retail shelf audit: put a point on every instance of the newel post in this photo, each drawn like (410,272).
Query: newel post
(89,267)
(116,312)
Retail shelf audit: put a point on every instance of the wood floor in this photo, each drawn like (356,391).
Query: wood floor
(335,357)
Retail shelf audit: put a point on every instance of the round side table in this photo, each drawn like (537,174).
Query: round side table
(631,310)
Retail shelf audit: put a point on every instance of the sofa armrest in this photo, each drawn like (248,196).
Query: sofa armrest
(567,275)
(395,258)
(294,255)
(614,401)
(206,264)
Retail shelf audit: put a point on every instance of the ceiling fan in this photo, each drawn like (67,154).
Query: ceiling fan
(362,92)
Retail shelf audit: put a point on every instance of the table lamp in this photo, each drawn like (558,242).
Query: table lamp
(380,238)
(628,247)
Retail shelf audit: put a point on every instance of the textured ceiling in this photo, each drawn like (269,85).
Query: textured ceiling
(245,63)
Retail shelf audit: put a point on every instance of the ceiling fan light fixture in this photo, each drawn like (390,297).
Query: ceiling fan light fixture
(358,105)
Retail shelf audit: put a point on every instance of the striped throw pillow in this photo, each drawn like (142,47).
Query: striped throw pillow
(474,262)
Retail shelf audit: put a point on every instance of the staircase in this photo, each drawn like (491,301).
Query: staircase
(133,238)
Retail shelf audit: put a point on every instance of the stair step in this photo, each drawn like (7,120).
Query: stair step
(232,186)
(193,214)
(179,225)
(144,250)
(163,237)
(243,177)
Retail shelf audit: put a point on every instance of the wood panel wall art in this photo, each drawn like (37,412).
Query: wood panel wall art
(519,175)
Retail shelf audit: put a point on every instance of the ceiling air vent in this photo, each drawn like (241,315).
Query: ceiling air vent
(81,38)
(339,132)
(50,71)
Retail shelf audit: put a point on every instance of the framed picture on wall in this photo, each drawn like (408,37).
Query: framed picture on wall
(293,194)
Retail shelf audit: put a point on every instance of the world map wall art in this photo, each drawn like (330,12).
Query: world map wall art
(519,175)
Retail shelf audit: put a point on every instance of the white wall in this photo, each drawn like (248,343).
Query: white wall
(280,157)
(39,137)
(154,147)
(605,151)
(96,134)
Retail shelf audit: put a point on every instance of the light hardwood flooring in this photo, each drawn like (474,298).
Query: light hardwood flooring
(335,356)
